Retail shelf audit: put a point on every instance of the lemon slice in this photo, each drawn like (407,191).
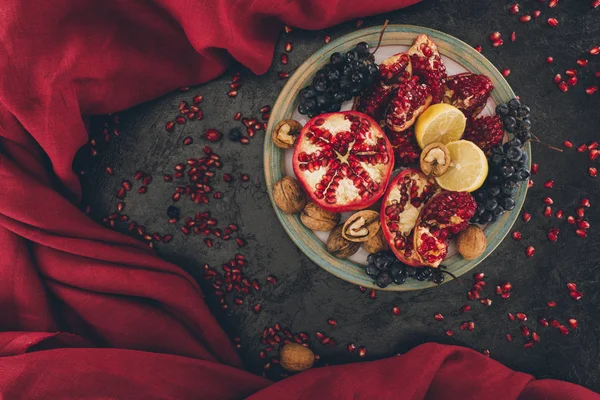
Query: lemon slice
(440,123)
(468,167)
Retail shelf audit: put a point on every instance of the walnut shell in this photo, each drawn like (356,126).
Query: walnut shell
(288,195)
(339,246)
(285,133)
(361,226)
(317,219)
(376,243)
(295,358)
(435,159)
(471,242)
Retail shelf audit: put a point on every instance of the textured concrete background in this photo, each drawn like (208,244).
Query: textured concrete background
(306,296)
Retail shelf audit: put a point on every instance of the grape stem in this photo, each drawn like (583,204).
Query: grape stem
(385,24)
(537,140)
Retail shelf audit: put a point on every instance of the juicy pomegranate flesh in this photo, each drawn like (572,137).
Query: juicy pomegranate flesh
(406,195)
(409,101)
(448,213)
(343,160)
(406,149)
(468,92)
(396,69)
(427,64)
(485,132)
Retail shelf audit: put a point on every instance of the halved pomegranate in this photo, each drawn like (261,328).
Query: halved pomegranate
(446,214)
(427,64)
(468,92)
(409,101)
(393,71)
(406,195)
(343,160)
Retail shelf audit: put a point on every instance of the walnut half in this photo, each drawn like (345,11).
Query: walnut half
(361,226)
(435,159)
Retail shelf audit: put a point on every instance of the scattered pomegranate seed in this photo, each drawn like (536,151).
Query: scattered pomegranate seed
(563,87)
(571,219)
(244,177)
(449,332)
(283,75)
(593,154)
(553,234)
(351,347)
(506,287)
(516,235)
(573,323)
(593,172)
(272,280)
(438,317)
(212,135)
(582,233)
(505,72)
(478,276)
(548,185)
(580,212)
(597,74)
(536,13)
(478,48)
(327,39)
(572,81)
(525,18)
(557,78)
(188,140)
(542,321)
(564,330)
(257,308)
(373,294)
(554,323)
(559,214)
(485,352)
(535,337)
(552,3)
(594,51)
(509,337)
(169,126)
(595,3)
(528,345)
(471,326)
(511,317)
(396,310)
(551,304)
(530,183)
(495,36)
(288,46)
(521,316)
(514,9)
(486,302)
(529,251)
(526,217)
(552,22)
(583,224)
(576,295)
(549,59)
(582,62)
(465,308)
(525,331)
(362,351)
(498,290)
(584,202)
(232,93)
(547,211)
(571,72)
(591,89)
(332,322)
(534,169)
(513,36)
(568,144)
(498,43)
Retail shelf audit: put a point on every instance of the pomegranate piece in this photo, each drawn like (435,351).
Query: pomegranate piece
(485,132)
(373,102)
(406,149)
(428,66)
(343,160)
(396,68)
(408,102)
(445,214)
(468,92)
(406,196)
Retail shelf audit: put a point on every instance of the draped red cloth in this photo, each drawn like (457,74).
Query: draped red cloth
(88,312)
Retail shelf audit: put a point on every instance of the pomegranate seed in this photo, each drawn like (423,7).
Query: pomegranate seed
(465,308)
(351,347)
(180,120)
(557,78)
(362,351)
(514,9)
(536,13)
(552,3)
(552,22)
(288,29)
(571,72)
(284,58)
(553,235)
(506,287)
(272,280)
(169,126)
(208,242)
(582,233)
(580,212)
(513,36)
(495,36)
(584,202)
(332,322)
(597,74)
(498,43)
(508,337)
(548,185)
(591,89)
(257,307)
(438,317)
(498,290)
(573,323)
(528,345)
(449,332)
(188,140)
(505,72)
(521,316)
(526,217)
(212,135)
(542,321)
(327,39)
(535,337)
(478,276)
(511,317)
(562,86)
(570,219)
(373,294)
(583,224)
(283,75)
(534,169)
(359,23)
(593,172)
(564,330)
(478,48)
(572,81)
(396,310)
(485,352)
(288,46)
(582,62)
(525,18)
(109,171)
(592,146)
(525,331)
(559,214)
(126,185)
(595,50)
(554,323)
(549,60)
(593,154)
(232,93)
(530,183)
(486,302)
(547,211)
(320,335)
(568,144)
(551,304)
(516,235)
(529,251)
(244,178)
(576,295)
(505,295)
(471,326)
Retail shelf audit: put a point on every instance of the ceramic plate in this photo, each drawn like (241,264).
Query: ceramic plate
(458,57)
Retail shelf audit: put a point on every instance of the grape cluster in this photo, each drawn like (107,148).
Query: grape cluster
(515,118)
(386,269)
(344,77)
(508,166)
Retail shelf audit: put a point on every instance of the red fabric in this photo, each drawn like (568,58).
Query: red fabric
(88,312)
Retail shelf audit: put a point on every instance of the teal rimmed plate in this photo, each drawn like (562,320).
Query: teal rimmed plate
(458,57)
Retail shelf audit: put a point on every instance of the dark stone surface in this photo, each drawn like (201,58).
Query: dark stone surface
(306,296)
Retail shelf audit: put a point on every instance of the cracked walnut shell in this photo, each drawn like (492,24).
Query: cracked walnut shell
(317,219)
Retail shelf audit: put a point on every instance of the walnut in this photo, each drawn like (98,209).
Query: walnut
(471,242)
(288,195)
(361,226)
(294,357)
(317,219)
(285,133)
(435,159)
(339,246)
(376,243)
